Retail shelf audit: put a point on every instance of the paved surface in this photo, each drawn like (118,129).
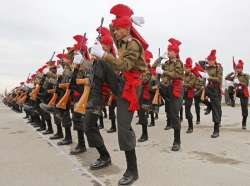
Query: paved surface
(27,158)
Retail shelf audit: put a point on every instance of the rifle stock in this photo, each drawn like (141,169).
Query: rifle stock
(157,97)
(81,105)
(203,93)
(35,92)
(52,101)
(62,104)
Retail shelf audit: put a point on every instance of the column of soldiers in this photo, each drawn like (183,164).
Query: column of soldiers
(117,73)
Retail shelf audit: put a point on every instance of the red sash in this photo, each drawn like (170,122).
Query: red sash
(132,82)
(190,93)
(146,92)
(177,87)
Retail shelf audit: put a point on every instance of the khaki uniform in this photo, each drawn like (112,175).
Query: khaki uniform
(189,85)
(131,58)
(243,94)
(213,91)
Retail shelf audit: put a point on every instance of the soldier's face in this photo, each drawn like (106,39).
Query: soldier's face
(53,70)
(106,48)
(211,62)
(239,70)
(120,33)
(171,54)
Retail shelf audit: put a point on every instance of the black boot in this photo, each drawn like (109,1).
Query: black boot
(59,133)
(198,119)
(80,147)
(152,123)
(101,126)
(216,130)
(103,161)
(156,116)
(144,136)
(244,123)
(177,140)
(68,138)
(42,125)
(113,126)
(190,126)
(105,113)
(50,129)
(168,126)
(131,174)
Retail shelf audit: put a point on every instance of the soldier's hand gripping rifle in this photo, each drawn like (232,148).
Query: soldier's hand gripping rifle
(157,97)
(81,105)
(36,90)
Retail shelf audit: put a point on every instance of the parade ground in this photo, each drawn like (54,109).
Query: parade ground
(28,158)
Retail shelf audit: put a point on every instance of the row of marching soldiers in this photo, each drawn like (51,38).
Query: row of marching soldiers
(117,72)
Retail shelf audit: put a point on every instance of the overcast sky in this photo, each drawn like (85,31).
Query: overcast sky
(30,30)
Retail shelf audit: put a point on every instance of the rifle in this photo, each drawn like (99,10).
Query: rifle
(81,105)
(54,91)
(157,97)
(235,75)
(203,64)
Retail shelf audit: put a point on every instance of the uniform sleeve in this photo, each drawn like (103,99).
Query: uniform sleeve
(126,61)
(245,80)
(229,77)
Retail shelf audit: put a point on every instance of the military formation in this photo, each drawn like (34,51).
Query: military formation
(117,75)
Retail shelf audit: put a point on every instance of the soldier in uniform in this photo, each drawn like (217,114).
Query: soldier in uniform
(231,88)
(241,80)
(81,56)
(213,90)
(101,73)
(63,115)
(171,89)
(145,100)
(199,85)
(131,64)
(44,96)
(189,85)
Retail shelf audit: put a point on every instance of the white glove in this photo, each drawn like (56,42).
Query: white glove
(204,75)
(159,70)
(236,81)
(60,70)
(97,50)
(164,55)
(139,21)
(77,58)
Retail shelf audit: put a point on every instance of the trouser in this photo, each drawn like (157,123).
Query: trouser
(92,130)
(78,123)
(231,95)
(215,101)
(126,135)
(244,109)
(112,115)
(65,117)
(143,120)
(172,106)
(188,105)
(197,101)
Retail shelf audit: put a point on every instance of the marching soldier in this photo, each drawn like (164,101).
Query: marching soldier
(241,80)
(81,56)
(171,89)
(44,96)
(101,73)
(189,85)
(213,90)
(131,64)
(63,114)
(145,99)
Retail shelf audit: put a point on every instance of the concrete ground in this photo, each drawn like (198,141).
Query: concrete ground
(27,158)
